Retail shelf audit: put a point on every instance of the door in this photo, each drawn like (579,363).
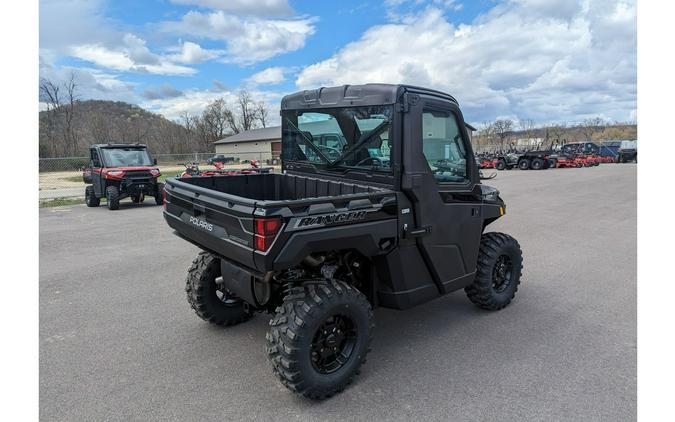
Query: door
(96,177)
(442,182)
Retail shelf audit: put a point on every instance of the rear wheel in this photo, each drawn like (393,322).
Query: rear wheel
(208,298)
(112,195)
(552,163)
(159,196)
(319,337)
(537,164)
(501,165)
(524,164)
(90,197)
(500,264)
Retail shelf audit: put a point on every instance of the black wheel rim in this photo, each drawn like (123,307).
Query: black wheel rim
(502,273)
(333,344)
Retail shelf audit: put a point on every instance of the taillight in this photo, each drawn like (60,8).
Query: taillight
(266,230)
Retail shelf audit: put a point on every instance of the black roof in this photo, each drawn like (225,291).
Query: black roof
(117,145)
(346,95)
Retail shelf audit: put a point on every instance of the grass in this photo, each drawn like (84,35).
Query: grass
(58,202)
(74,179)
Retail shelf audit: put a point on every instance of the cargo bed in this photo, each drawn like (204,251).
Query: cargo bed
(216,213)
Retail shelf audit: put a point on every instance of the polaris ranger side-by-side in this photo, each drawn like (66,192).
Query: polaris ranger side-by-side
(396,219)
(117,171)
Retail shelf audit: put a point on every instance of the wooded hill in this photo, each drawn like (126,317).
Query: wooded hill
(68,131)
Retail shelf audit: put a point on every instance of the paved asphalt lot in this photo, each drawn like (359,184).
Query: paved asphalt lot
(118,340)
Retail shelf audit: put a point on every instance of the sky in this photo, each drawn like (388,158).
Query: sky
(550,61)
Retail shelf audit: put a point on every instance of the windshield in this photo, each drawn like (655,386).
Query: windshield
(339,138)
(126,157)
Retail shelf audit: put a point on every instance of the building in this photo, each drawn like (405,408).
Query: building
(254,144)
(470,130)
(265,143)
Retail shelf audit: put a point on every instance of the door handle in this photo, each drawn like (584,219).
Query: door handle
(418,232)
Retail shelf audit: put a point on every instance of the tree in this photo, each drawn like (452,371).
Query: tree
(484,135)
(59,125)
(527,127)
(215,121)
(69,133)
(503,129)
(589,127)
(262,113)
(50,95)
(555,132)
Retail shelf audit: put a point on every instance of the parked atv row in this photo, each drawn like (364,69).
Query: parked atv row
(531,160)
(540,160)
(193,170)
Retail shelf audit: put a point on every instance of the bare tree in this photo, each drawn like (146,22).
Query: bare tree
(262,113)
(590,127)
(100,130)
(527,127)
(69,133)
(245,114)
(50,95)
(215,120)
(503,129)
(484,136)
(555,133)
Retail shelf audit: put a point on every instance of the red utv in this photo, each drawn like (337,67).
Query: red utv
(117,171)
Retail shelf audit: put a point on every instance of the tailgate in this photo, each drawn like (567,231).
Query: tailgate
(212,220)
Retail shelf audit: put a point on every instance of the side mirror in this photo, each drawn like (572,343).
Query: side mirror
(154,161)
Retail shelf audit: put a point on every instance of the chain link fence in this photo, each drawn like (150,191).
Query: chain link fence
(62,177)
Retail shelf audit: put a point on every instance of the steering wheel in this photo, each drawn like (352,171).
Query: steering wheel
(373,159)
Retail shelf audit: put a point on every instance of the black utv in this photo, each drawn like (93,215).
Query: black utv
(322,244)
(117,171)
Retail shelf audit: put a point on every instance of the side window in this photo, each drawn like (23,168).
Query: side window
(443,147)
(94,157)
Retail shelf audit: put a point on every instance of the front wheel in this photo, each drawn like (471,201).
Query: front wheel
(319,337)
(90,197)
(501,165)
(112,195)
(500,265)
(159,195)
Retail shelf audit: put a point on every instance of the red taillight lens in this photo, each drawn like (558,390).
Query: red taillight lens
(266,230)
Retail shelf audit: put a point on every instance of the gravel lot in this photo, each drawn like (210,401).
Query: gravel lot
(118,340)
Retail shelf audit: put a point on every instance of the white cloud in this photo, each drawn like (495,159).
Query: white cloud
(269,76)
(248,40)
(194,101)
(192,53)
(542,60)
(64,23)
(132,55)
(244,7)
(91,83)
